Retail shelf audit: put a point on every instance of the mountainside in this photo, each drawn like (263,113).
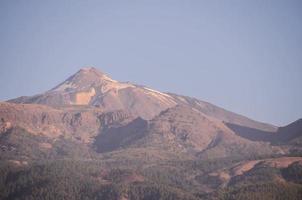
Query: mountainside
(81,123)
(222,114)
(92,137)
(184,130)
(91,87)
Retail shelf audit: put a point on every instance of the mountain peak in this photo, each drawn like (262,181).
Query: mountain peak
(85,78)
(91,71)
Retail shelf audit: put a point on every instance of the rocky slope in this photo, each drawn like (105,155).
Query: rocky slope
(80,123)
(182,129)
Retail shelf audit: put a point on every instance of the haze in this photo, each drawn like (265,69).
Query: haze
(244,56)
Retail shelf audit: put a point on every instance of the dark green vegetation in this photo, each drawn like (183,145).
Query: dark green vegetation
(142,179)
(79,180)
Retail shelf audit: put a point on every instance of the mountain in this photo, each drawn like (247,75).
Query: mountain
(92,137)
(92,109)
(89,86)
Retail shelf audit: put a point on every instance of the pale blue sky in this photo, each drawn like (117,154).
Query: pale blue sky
(245,56)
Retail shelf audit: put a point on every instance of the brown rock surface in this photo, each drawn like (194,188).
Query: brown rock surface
(77,123)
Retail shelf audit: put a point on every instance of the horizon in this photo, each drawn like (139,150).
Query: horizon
(242,56)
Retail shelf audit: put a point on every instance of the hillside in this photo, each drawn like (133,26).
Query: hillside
(92,137)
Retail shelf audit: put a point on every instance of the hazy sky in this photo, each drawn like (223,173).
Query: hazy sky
(245,56)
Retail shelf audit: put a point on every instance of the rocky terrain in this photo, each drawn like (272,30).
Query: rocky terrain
(92,137)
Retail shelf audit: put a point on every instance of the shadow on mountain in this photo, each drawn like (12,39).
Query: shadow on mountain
(118,137)
(283,135)
(251,133)
(290,132)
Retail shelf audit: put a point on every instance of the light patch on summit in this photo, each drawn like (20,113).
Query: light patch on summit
(164,98)
(158,92)
(107,78)
(114,85)
(83,98)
